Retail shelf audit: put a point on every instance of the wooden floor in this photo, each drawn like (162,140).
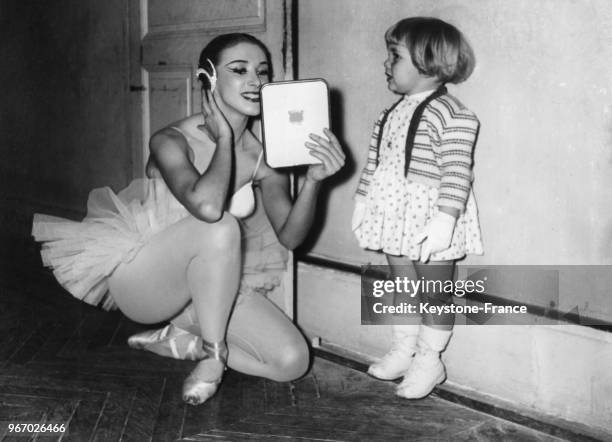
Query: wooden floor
(63,361)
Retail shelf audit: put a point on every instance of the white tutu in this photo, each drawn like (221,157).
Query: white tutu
(83,254)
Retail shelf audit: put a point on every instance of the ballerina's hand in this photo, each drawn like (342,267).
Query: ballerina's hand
(329,152)
(215,122)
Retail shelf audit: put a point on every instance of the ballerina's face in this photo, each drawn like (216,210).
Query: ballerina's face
(241,71)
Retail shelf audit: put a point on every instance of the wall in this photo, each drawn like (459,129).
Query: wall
(63,125)
(542,164)
(558,372)
(542,91)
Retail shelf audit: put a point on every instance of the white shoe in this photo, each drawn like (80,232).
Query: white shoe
(196,389)
(169,341)
(426,370)
(421,378)
(403,347)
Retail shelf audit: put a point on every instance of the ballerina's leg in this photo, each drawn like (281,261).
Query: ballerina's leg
(278,351)
(189,260)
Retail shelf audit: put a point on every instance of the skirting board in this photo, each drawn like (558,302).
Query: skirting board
(557,371)
(471,399)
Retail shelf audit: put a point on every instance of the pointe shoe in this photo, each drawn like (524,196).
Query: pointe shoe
(169,341)
(196,390)
(403,347)
(140,340)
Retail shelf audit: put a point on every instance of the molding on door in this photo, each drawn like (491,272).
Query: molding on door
(241,15)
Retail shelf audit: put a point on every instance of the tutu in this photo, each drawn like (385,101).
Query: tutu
(83,254)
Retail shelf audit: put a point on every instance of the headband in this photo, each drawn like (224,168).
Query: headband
(211,78)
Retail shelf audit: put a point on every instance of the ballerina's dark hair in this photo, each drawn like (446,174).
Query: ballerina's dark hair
(217,45)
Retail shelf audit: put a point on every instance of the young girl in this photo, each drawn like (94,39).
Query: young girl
(414,200)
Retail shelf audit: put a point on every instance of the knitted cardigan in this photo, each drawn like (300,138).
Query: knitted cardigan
(439,152)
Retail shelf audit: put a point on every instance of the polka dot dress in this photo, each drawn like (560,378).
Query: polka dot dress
(398,209)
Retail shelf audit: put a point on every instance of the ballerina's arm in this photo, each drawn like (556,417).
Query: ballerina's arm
(204,195)
(292,220)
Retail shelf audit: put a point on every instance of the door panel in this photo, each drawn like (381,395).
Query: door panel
(170,96)
(193,16)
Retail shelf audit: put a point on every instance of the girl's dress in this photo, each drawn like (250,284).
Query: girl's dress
(83,254)
(398,209)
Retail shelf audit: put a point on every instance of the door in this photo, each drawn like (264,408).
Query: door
(166,38)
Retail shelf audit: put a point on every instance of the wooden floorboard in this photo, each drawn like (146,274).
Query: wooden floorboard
(62,361)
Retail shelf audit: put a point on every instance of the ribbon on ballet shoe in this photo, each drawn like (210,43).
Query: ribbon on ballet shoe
(196,390)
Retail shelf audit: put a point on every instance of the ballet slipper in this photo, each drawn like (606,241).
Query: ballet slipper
(169,341)
(196,390)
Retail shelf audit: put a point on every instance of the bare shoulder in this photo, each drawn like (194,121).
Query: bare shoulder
(175,138)
(166,138)
(189,125)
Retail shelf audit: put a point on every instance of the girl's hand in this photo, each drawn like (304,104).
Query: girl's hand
(329,152)
(437,235)
(215,122)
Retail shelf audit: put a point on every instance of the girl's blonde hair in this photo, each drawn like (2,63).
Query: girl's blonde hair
(438,49)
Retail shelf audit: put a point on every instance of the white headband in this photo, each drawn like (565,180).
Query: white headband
(212,79)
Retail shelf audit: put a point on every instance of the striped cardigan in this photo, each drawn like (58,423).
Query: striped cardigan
(441,152)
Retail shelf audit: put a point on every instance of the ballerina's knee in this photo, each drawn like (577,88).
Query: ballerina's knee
(292,363)
(220,239)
